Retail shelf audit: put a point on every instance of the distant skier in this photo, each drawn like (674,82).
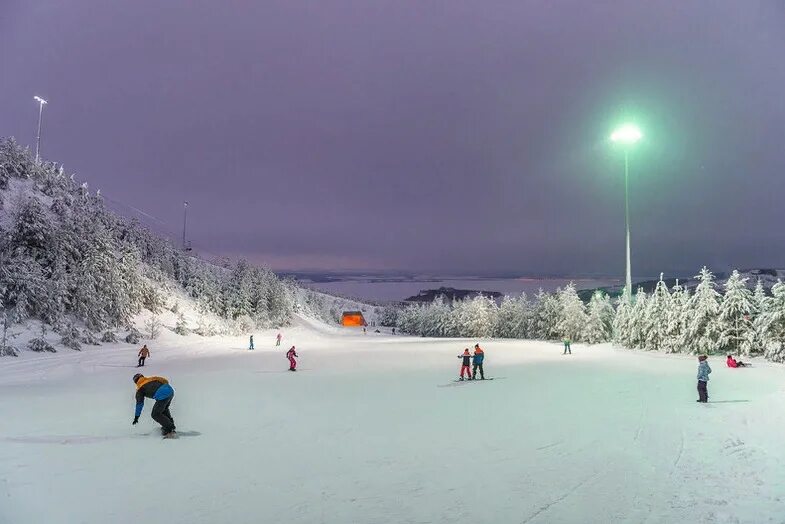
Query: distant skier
(477,358)
(278,340)
(733,363)
(143,354)
(158,389)
(250,344)
(703,378)
(291,354)
(393,331)
(567,346)
(466,364)
(363,330)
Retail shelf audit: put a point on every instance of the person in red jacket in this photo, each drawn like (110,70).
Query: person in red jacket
(466,364)
(732,363)
(291,354)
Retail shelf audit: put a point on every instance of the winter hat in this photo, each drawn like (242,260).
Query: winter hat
(702,358)
(137,377)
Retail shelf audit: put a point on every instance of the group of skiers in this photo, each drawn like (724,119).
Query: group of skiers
(159,389)
(290,355)
(469,359)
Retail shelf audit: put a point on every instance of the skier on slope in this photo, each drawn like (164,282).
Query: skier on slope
(703,378)
(465,364)
(477,358)
(567,348)
(250,344)
(143,354)
(278,340)
(291,354)
(158,389)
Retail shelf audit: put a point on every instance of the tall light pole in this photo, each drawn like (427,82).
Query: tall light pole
(41,104)
(185,223)
(627,135)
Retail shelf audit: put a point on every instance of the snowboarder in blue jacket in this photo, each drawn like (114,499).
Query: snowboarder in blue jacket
(477,358)
(158,389)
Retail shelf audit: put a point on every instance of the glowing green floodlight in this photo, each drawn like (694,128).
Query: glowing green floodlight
(627,134)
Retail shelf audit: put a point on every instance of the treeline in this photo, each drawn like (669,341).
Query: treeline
(738,321)
(65,260)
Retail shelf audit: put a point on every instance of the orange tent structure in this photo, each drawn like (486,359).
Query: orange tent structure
(353,319)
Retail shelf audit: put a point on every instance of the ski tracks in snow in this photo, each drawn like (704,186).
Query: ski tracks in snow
(561,498)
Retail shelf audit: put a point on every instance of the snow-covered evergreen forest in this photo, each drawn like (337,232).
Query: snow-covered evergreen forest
(736,319)
(86,273)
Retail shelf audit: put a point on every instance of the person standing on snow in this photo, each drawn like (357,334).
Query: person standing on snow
(465,364)
(478,357)
(250,344)
(567,346)
(291,354)
(278,340)
(703,378)
(143,354)
(158,389)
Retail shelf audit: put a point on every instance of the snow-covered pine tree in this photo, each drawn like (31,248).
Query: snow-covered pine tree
(153,326)
(7,349)
(572,320)
(622,334)
(511,318)
(434,317)
(656,320)
(676,318)
(702,331)
(638,325)
(181,327)
(772,324)
(737,334)
(760,304)
(478,316)
(599,323)
(546,316)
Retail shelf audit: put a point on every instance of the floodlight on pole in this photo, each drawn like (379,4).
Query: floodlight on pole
(41,104)
(627,135)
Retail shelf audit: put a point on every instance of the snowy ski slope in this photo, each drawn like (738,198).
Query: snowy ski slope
(363,434)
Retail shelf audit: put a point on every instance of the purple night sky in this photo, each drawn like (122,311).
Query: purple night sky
(418,135)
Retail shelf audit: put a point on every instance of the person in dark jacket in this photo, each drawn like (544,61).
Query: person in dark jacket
(477,359)
(158,389)
(143,354)
(250,344)
(466,358)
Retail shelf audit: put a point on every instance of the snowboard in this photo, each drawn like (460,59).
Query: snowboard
(459,382)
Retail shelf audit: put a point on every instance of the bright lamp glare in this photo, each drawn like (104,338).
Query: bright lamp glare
(39,100)
(627,134)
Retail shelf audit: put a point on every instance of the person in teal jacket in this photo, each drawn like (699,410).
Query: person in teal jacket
(477,359)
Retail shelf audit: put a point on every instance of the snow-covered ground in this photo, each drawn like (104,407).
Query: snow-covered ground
(373,430)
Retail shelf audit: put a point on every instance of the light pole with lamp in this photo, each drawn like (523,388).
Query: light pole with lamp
(41,104)
(627,135)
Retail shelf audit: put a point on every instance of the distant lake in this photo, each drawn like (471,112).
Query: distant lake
(388,289)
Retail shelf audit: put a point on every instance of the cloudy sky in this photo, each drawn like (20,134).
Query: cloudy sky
(421,135)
